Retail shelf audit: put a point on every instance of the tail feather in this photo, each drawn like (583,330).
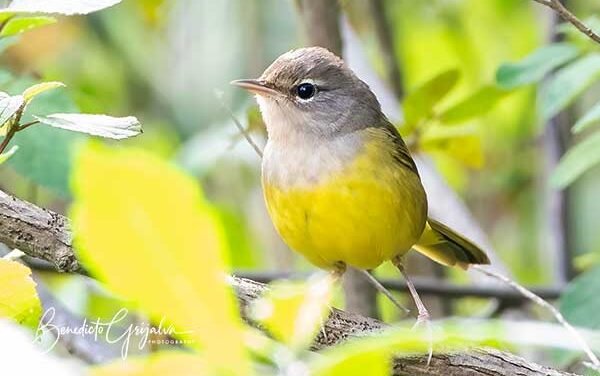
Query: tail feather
(443,245)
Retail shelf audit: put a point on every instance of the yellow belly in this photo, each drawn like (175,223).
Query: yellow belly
(367,213)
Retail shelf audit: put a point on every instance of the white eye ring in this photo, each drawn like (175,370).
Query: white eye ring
(306,91)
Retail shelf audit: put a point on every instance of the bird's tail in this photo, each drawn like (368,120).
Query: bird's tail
(443,245)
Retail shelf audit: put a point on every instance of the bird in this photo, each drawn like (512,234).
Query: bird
(339,182)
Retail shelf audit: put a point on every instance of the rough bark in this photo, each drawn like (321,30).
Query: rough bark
(38,232)
(50,232)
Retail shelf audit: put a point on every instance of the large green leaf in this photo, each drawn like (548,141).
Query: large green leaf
(579,303)
(535,66)
(20,25)
(419,104)
(576,161)
(590,118)
(45,152)
(568,83)
(67,7)
(179,274)
(476,104)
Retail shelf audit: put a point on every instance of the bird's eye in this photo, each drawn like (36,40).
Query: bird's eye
(306,90)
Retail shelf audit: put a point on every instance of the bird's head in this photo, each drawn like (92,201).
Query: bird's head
(312,91)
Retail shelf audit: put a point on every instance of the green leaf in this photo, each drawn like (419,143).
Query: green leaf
(536,65)
(58,6)
(179,272)
(576,161)
(4,156)
(18,299)
(117,128)
(45,153)
(9,106)
(293,312)
(377,361)
(476,104)
(20,25)
(37,89)
(579,303)
(568,83)
(590,118)
(419,104)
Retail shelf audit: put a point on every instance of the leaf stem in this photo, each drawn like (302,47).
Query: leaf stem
(27,125)
(9,135)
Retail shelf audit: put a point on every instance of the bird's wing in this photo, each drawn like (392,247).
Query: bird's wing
(401,153)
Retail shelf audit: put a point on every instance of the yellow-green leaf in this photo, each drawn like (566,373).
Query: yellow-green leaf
(37,89)
(20,25)
(4,156)
(568,83)
(377,362)
(157,364)
(576,161)
(476,104)
(293,312)
(419,103)
(535,65)
(590,118)
(18,299)
(462,143)
(144,228)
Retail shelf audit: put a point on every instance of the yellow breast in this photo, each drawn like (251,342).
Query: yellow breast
(364,214)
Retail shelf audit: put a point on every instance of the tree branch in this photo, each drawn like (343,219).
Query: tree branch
(566,15)
(44,234)
(38,232)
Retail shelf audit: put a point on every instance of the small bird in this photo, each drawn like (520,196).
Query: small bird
(339,182)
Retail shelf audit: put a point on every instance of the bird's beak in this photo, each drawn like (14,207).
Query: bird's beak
(255,86)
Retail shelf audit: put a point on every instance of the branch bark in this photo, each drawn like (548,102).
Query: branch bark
(38,232)
(566,15)
(54,238)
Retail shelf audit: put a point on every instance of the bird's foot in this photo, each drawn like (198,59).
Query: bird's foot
(424,321)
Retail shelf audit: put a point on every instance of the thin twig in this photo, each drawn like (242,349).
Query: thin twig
(544,304)
(566,15)
(27,125)
(9,135)
(239,126)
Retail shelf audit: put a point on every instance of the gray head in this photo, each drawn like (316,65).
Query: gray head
(311,91)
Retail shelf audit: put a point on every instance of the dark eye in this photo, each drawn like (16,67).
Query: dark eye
(306,90)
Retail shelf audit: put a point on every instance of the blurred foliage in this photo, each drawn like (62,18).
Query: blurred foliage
(18,298)
(480,84)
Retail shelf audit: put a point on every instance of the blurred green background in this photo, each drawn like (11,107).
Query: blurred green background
(167,61)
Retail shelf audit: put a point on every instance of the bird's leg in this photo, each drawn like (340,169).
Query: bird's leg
(381,288)
(336,273)
(423,317)
(338,270)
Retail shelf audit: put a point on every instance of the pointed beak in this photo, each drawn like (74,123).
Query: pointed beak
(255,86)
